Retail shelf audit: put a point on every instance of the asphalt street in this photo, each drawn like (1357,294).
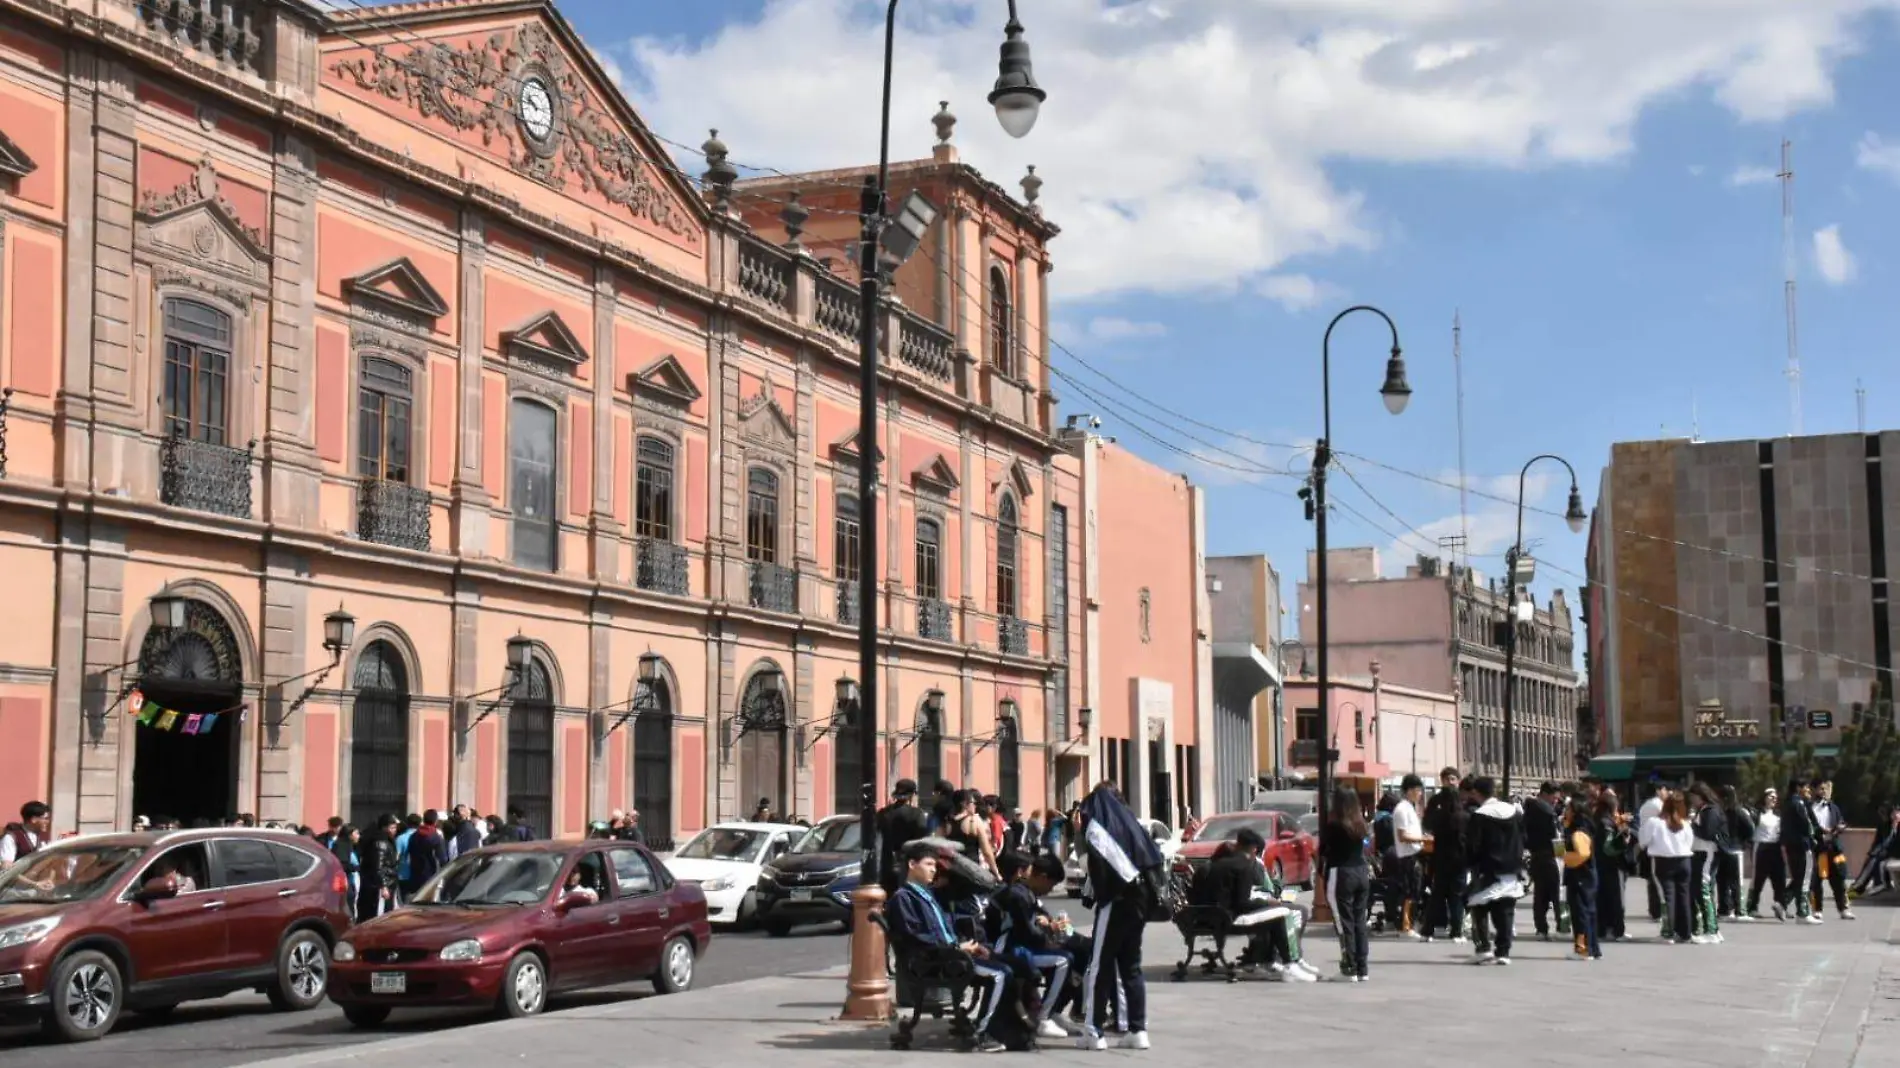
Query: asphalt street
(242,1029)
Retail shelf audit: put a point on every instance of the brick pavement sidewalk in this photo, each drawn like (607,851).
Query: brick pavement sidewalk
(1773,995)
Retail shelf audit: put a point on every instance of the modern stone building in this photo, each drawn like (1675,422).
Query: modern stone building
(1436,629)
(1249,675)
(401,314)
(1733,579)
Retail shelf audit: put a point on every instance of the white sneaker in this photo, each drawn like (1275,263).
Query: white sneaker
(1051,1029)
(1503,962)
(1816,920)
(1461,940)
(1133,1040)
(1307,968)
(1717,938)
(1700,940)
(1090,1040)
(1847,914)
(1412,936)
(1484,958)
(1300,975)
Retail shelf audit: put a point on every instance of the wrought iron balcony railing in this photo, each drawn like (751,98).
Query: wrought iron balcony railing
(933,620)
(392,513)
(206,477)
(1012,635)
(661,566)
(224,31)
(774,587)
(6,402)
(848,613)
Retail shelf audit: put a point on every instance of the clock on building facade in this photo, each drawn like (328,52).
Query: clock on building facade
(536,105)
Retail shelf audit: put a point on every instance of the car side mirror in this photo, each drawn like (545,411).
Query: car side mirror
(157,888)
(574,899)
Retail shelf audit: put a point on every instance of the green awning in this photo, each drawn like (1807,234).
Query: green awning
(1629,764)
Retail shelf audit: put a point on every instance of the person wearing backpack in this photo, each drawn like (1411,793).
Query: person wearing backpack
(1728,871)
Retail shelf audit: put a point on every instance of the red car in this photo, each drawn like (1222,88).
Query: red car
(1289,854)
(94,926)
(506,926)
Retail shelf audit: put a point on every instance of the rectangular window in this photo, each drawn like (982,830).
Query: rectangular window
(653,490)
(845,539)
(929,560)
(532,429)
(761,517)
(383,413)
(1306,725)
(1059,581)
(197,370)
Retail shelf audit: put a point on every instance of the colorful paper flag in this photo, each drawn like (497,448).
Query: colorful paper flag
(134,703)
(166,719)
(191,724)
(205,724)
(149,711)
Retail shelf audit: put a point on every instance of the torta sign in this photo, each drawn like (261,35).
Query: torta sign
(1713,724)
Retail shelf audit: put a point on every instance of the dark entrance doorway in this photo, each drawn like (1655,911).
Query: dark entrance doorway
(1160,783)
(531,749)
(929,743)
(379,736)
(847,768)
(653,764)
(192,670)
(762,745)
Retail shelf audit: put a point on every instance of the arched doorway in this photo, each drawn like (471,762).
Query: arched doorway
(531,748)
(193,670)
(379,736)
(653,761)
(762,722)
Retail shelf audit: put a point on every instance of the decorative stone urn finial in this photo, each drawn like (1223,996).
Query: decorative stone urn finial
(1032,189)
(793,215)
(720,173)
(944,121)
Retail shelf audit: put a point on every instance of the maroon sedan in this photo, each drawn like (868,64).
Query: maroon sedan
(506,926)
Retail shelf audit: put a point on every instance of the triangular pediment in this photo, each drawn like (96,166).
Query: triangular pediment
(762,420)
(937,475)
(545,338)
(846,448)
(199,196)
(1018,478)
(667,379)
(591,138)
(208,235)
(13,162)
(400,286)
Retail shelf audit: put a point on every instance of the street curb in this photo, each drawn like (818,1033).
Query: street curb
(379,1050)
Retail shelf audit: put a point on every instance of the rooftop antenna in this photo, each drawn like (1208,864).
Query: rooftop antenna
(1695,422)
(1464,483)
(1788,290)
(1860,406)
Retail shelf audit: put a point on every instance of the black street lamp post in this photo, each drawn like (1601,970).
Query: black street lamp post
(1396,393)
(1575,517)
(1017,100)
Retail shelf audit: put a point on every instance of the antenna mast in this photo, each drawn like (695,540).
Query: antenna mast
(1464,482)
(1860,406)
(1788,292)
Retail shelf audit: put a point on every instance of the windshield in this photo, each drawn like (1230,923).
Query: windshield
(1310,823)
(832,836)
(493,879)
(723,843)
(70,874)
(1225,828)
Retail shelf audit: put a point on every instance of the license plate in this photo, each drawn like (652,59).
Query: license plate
(388,982)
(802,895)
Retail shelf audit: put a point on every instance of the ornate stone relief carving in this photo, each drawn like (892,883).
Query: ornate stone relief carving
(173,276)
(382,339)
(472,87)
(13,162)
(202,188)
(763,422)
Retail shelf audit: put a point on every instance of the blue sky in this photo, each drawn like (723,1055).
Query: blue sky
(1591,191)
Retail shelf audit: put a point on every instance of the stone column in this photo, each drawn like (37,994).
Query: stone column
(804,481)
(726,470)
(465,679)
(599,695)
(971,472)
(468,497)
(804,646)
(278,773)
(604,530)
(722,703)
(291,469)
(91,774)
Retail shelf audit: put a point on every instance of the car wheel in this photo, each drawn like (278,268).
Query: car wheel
(777,928)
(748,913)
(85,997)
(676,967)
(365,1016)
(524,989)
(303,973)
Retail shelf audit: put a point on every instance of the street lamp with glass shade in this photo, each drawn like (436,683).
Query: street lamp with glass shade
(1574,516)
(1519,612)
(649,670)
(1084,716)
(168,611)
(846,709)
(1396,392)
(1017,98)
(339,632)
(520,654)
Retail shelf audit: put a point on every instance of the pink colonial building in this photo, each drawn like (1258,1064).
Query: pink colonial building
(398,317)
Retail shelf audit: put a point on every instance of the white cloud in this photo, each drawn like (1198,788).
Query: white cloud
(1186,146)
(1296,292)
(1831,257)
(1115,328)
(1751,174)
(1877,154)
(610,65)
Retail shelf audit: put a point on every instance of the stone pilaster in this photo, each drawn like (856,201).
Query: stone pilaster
(599,682)
(114,150)
(896,723)
(465,679)
(286,621)
(73,409)
(723,700)
(726,531)
(290,462)
(961,719)
(604,530)
(468,496)
(804,660)
(804,481)
(89,766)
(971,470)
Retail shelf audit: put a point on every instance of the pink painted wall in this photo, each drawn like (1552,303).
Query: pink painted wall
(573,790)
(435,762)
(442,387)
(483,746)
(1148,543)
(23,757)
(320,772)
(691,801)
(32,341)
(1345,696)
(494,433)
(580,455)
(623,470)
(33,123)
(821,776)
(1404,623)
(347,248)
(332,410)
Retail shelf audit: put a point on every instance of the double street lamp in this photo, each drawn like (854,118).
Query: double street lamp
(1575,518)
(1396,393)
(888,242)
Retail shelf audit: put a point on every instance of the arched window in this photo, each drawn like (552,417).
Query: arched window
(761,516)
(385,394)
(653,489)
(532,437)
(929,560)
(379,736)
(531,748)
(846,538)
(1002,356)
(653,762)
(197,370)
(1006,557)
(1009,758)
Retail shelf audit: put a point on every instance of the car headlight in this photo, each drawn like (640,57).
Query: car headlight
(466,949)
(713,886)
(343,952)
(25,934)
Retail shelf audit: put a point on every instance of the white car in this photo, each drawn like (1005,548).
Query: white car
(1167,840)
(724,861)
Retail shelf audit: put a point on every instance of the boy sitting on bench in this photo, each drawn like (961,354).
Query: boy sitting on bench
(923,921)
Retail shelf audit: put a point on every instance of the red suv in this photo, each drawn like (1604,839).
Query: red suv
(97,925)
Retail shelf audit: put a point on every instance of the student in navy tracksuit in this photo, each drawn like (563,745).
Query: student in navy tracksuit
(1124,872)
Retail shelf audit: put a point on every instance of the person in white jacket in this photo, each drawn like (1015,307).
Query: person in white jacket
(1771,867)
(1669,841)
